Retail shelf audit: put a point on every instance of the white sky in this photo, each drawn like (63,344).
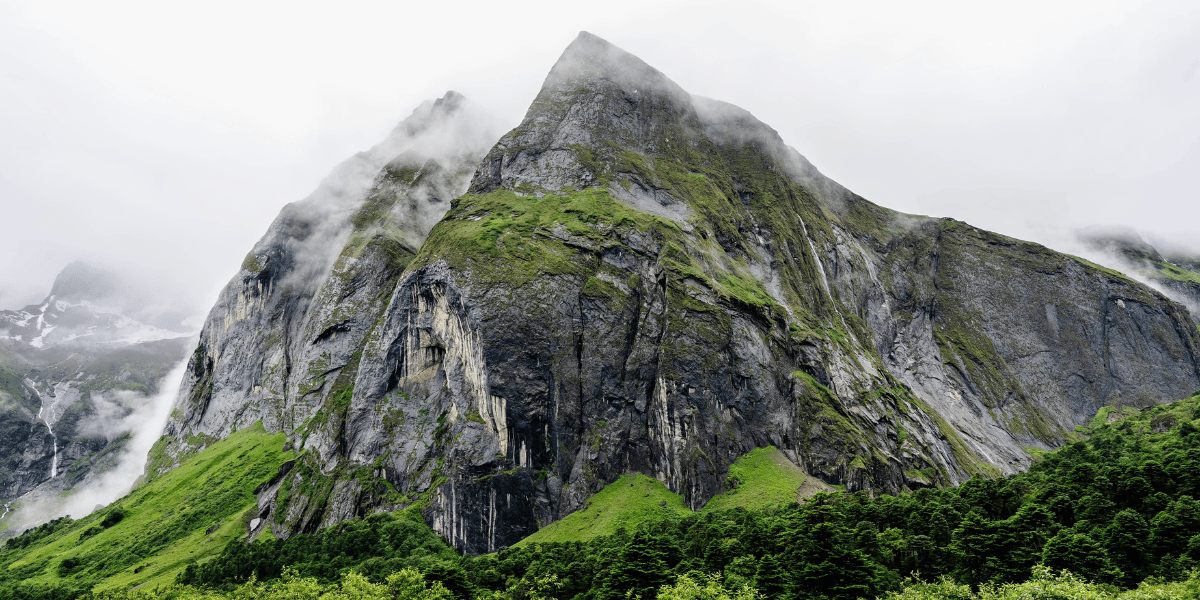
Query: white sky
(165,136)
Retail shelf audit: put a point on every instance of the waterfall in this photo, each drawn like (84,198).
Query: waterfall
(54,440)
(61,398)
(54,461)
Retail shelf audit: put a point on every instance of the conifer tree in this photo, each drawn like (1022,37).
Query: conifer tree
(639,568)
(1127,546)
(770,578)
(1077,553)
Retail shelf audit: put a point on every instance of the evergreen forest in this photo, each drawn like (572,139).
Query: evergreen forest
(1114,515)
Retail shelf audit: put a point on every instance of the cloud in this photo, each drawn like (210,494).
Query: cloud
(174,161)
(117,413)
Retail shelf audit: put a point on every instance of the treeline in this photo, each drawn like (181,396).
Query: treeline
(1115,509)
(410,584)
(374,547)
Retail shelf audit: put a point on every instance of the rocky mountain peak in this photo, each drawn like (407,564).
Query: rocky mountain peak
(81,280)
(638,280)
(604,118)
(599,110)
(592,62)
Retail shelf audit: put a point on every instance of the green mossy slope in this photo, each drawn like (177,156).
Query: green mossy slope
(761,479)
(622,504)
(153,533)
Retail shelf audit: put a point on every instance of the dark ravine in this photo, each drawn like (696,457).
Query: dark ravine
(639,280)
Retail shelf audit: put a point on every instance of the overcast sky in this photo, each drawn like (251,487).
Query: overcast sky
(165,136)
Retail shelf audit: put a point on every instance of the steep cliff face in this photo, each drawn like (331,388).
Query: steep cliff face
(639,280)
(291,322)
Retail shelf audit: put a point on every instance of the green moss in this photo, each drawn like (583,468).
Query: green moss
(760,479)
(1037,454)
(505,237)
(967,460)
(962,347)
(283,499)
(598,288)
(624,503)
(749,291)
(253,264)
(1170,271)
(1107,271)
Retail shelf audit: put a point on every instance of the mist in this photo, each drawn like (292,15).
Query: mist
(118,413)
(166,138)
(437,134)
(1096,244)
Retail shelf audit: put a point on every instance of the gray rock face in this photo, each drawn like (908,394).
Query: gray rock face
(639,280)
(287,326)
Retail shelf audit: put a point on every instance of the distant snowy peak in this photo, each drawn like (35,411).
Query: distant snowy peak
(56,322)
(88,305)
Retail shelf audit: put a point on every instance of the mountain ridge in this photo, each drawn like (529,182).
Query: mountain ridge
(639,280)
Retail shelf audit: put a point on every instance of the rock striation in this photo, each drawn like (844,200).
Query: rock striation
(636,279)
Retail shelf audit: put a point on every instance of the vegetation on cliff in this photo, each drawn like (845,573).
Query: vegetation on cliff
(1117,511)
(149,536)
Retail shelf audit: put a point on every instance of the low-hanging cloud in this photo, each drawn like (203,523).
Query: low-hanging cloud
(314,230)
(1102,244)
(117,413)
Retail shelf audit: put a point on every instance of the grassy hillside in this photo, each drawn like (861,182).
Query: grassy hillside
(624,503)
(152,534)
(763,478)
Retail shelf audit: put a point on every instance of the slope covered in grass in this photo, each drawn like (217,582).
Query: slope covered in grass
(154,532)
(764,478)
(761,479)
(624,503)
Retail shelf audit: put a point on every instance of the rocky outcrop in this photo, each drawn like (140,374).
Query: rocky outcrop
(290,324)
(639,280)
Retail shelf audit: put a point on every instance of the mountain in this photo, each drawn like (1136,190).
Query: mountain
(91,305)
(76,373)
(1174,271)
(638,280)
